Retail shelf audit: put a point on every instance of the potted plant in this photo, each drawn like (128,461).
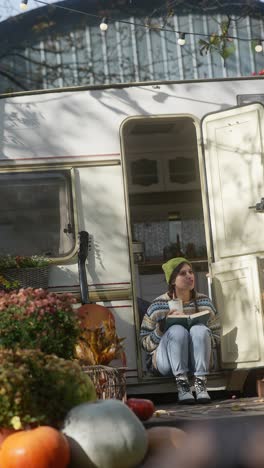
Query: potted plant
(22,271)
(39,389)
(38,319)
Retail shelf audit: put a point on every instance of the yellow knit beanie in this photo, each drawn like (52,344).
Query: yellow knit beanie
(171,264)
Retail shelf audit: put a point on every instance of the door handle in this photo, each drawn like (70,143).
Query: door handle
(259,206)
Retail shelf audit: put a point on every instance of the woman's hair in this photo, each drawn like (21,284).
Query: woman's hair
(171,290)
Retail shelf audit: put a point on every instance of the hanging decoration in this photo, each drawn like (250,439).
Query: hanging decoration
(104,24)
(259,47)
(212,42)
(181,40)
(24,4)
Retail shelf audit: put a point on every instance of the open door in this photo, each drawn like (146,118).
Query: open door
(234,168)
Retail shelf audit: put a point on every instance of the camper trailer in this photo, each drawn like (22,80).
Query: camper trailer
(150,170)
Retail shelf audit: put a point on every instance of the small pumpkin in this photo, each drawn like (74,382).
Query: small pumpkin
(164,442)
(105,434)
(142,407)
(43,447)
(160,437)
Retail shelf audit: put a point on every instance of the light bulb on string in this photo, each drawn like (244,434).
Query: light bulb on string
(181,40)
(104,24)
(257,44)
(23,4)
(258,47)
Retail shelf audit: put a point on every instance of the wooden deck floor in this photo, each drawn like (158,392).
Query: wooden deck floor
(230,431)
(173,414)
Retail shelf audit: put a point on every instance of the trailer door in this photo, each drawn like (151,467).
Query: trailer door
(234,170)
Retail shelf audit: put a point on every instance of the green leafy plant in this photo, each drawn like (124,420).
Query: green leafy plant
(38,389)
(38,319)
(8,284)
(9,261)
(220,43)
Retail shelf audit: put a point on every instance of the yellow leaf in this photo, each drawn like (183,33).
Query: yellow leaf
(16,423)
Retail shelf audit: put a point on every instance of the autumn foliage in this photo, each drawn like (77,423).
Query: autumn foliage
(99,345)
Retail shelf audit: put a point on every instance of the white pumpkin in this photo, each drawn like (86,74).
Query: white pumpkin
(105,434)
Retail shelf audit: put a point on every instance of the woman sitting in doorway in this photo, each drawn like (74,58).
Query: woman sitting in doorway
(178,351)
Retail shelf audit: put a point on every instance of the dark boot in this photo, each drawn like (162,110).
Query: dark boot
(185,396)
(202,395)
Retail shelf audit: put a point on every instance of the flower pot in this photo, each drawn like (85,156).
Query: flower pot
(34,277)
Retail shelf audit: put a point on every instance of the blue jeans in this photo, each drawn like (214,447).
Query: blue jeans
(182,351)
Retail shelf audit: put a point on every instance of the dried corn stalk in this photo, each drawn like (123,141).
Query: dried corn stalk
(99,345)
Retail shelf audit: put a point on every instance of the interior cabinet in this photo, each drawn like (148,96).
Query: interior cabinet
(158,172)
(180,171)
(145,173)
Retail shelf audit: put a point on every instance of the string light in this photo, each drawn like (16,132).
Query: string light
(24,4)
(258,47)
(104,24)
(181,40)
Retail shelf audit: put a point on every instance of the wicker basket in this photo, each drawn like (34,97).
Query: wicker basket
(109,382)
(36,277)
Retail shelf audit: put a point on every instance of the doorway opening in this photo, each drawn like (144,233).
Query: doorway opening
(165,202)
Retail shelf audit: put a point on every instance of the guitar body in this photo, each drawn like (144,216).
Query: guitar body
(93,315)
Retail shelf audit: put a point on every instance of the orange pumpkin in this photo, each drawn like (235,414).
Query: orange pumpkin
(43,447)
(4,433)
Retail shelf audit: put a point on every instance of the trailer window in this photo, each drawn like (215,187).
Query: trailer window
(36,213)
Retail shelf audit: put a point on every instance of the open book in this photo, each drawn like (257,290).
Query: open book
(188,321)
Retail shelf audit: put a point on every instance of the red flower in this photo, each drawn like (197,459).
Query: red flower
(260,72)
